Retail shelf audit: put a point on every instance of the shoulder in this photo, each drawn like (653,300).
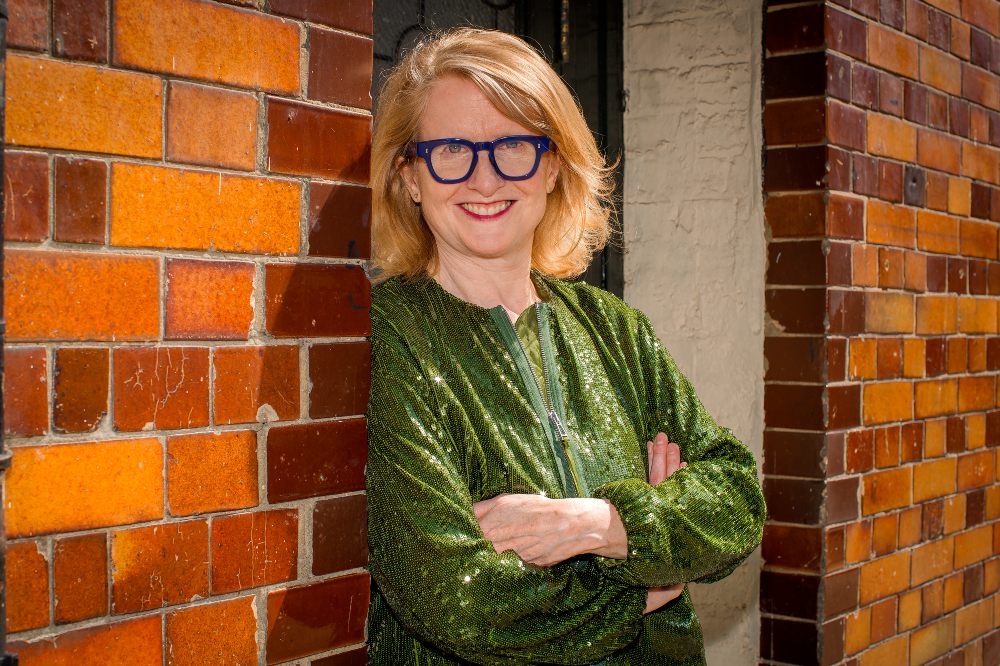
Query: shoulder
(594,304)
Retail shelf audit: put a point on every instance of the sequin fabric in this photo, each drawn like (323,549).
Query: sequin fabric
(452,421)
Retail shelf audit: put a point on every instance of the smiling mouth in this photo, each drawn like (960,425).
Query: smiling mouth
(483,211)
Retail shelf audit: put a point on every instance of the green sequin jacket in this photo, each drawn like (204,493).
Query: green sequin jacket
(456,416)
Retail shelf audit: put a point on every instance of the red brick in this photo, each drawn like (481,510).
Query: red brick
(26,196)
(315,459)
(253,549)
(885,576)
(326,608)
(256,383)
(81,577)
(211,472)
(131,643)
(314,141)
(202,40)
(25,392)
(340,220)
(340,534)
(891,225)
(845,216)
(80,29)
(27,576)
(211,126)
(209,299)
(160,387)
(217,634)
(887,449)
(891,137)
(81,205)
(889,312)
(81,388)
(43,291)
(845,125)
(935,478)
(158,565)
(845,33)
(355,15)
(340,68)
(975,469)
(939,151)
(57,104)
(886,490)
(890,268)
(28,24)
(153,206)
(937,314)
(100,484)
(293,290)
(864,265)
(888,401)
(890,176)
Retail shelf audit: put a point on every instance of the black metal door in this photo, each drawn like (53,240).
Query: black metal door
(582,40)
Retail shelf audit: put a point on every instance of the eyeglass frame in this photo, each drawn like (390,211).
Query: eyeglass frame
(422,150)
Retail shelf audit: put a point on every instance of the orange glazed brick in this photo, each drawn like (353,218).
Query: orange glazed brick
(978,239)
(977,354)
(27,577)
(209,299)
(25,392)
(131,643)
(977,315)
(887,401)
(975,431)
(980,86)
(978,162)
(160,387)
(894,651)
(213,634)
(934,479)
(158,565)
(864,265)
(958,354)
(885,576)
(252,549)
(211,472)
(888,312)
(914,356)
(858,537)
(937,233)
(890,225)
(940,70)
(100,484)
(937,191)
(937,314)
(884,534)
(976,393)
(211,126)
(256,383)
(939,151)
(81,577)
(909,526)
(932,641)
(975,469)
(890,50)
(56,104)
(154,206)
(857,631)
(959,196)
(982,13)
(915,269)
(936,397)
(973,546)
(954,514)
(931,560)
(891,137)
(991,575)
(43,292)
(861,363)
(202,40)
(886,490)
(909,610)
(974,620)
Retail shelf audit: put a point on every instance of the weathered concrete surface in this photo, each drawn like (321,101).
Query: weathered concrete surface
(694,233)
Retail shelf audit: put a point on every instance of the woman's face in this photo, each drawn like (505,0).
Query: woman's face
(484,217)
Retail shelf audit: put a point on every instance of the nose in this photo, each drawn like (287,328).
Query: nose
(484,178)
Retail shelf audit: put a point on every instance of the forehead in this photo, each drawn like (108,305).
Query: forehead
(457,108)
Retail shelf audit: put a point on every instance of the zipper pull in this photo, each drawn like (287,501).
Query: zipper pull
(558,426)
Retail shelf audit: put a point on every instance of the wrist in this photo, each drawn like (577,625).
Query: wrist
(611,538)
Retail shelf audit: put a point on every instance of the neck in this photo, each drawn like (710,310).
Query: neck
(505,282)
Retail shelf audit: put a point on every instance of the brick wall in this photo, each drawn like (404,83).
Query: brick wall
(186,363)
(882,126)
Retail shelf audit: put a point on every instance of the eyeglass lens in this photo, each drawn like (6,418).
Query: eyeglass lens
(514,159)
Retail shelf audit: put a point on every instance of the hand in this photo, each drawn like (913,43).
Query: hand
(544,531)
(664,460)
(658,597)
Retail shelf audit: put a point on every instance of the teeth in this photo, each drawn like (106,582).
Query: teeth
(487,209)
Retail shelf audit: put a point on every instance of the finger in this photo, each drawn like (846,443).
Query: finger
(657,463)
(649,458)
(673,458)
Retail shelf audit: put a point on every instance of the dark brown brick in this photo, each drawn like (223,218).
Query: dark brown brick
(28,24)
(840,592)
(794,29)
(293,290)
(932,520)
(793,406)
(937,273)
(890,94)
(354,15)
(958,275)
(978,278)
(955,434)
(797,310)
(937,110)
(793,595)
(339,221)
(936,356)
(842,500)
(846,311)
(789,641)
(975,508)
(890,179)
(865,174)
(326,608)
(80,29)
(845,217)
(838,77)
(81,200)
(891,12)
(846,34)
(939,29)
(838,167)
(340,68)
(843,406)
(980,200)
(340,376)
(793,453)
(980,48)
(796,215)
(914,186)
(846,125)
(357,657)
(798,75)
(794,500)
(80,572)
(340,534)
(795,168)
(795,122)
(860,450)
(81,388)
(26,196)
(315,459)
(836,359)
(792,546)
(958,116)
(914,102)
(838,264)
(25,392)
(312,141)
(864,86)
(796,263)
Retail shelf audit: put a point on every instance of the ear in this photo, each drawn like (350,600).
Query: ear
(552,172)
(409,179)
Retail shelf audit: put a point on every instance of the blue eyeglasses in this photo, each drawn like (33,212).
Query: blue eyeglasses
(453,160)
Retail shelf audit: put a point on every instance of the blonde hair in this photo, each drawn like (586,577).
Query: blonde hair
(522,86)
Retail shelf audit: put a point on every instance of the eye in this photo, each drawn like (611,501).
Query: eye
(454,148)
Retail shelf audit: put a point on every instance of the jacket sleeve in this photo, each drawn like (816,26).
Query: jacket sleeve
(700,523)
(440,575)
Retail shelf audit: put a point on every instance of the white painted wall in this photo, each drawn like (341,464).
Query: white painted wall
(694,234)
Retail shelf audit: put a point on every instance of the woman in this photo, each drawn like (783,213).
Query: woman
(514,517)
